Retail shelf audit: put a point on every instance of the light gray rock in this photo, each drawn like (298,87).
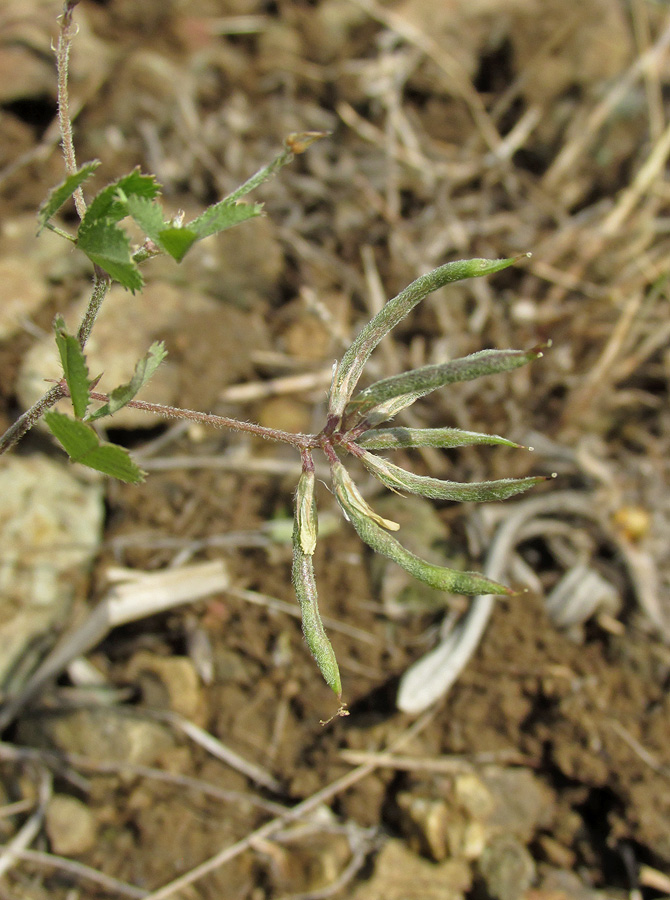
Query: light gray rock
(50,528)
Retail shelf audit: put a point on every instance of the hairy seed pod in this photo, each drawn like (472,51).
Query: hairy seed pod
(312,626)
(440,577)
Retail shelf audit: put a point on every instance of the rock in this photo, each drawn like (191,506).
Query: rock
(50,528)
(507,868)
(168,683)
(307,863)
(70,826)
(521,802)
(104,734)
(400,874)
(461,815)
(24,291)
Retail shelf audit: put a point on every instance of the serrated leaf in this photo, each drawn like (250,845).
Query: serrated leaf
(108,246)
(62,192)
(148,214)
(75,369)
(397,479)
(353,362)
(112,201)
(440,577)
(83,445)
(177,241)
(384,399)
(223,215)
(444,438)
(144,369)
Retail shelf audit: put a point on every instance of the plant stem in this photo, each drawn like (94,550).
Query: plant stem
(25,422)
(101,284)
(302,441)
(65,35)
(61,232)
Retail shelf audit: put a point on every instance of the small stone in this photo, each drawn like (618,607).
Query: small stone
(400,874)
(70,826)
(507,868)
(522,803)
(105,734)
(168,682)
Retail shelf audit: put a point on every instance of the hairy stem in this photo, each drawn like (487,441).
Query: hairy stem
(302,441)
(101,284)
(65,35)
(25,422)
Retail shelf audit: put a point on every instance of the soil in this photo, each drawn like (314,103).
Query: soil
(457,130)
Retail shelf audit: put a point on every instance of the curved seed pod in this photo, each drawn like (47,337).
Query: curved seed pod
(397,479)
(382,400)
(353,362)
(306,520)
(400,437)
(439,577)
(312,626)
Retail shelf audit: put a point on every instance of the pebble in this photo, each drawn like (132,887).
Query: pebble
(70,826)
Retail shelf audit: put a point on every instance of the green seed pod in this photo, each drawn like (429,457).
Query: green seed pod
(401,437)
(398,479)
(440,577)
(384,399)
(312,626)
(305,513)
(353,362)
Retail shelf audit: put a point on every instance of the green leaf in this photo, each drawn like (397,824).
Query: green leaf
(108,246)
(144,369)
(112,201)
(223,215)
(75,369)
(351,366)
(440,577)
(177,241)
(385,398)
(148,214)
(398,479)
(62,192)
(401,438)
(83,445)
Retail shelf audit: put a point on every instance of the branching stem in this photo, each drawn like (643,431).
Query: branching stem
(302,441)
